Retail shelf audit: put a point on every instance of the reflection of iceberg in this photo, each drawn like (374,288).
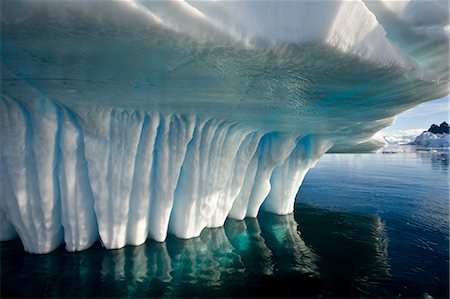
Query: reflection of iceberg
(285,240)
(127,272)
(128,120)
(219,258)
(204,260)
(243,258)
(246,238)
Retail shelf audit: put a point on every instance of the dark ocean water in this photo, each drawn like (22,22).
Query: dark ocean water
(374,225)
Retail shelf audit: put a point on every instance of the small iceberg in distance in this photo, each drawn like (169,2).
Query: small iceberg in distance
(436,136)
(429,139)
(124,121)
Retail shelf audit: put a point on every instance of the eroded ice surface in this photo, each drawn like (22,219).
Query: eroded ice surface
(129,120)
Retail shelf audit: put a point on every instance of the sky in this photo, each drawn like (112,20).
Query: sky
(422,116)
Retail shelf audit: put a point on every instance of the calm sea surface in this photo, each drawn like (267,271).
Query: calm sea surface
(364,226)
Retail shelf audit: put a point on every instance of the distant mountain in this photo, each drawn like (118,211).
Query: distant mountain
(442,129)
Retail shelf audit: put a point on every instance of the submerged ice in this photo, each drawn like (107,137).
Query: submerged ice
(127,120)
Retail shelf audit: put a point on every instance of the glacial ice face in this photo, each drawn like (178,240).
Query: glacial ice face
(139,171)
(128,120)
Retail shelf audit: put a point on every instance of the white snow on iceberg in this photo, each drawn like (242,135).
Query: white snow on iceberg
(126,120)
(429,139)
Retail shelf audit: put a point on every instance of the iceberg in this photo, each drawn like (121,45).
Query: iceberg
(435,136)
(127,120)
(429,139)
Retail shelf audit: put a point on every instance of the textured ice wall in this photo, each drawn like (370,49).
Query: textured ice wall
(128,120)
(139,175)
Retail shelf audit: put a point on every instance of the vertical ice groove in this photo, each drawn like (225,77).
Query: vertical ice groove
(275,148)
(130,210)
(195,217)
(29,154)
(208,156)
(109,217)
(7,230)
(13,149)
(30,193)
(229,148)
(216,173)
(140,198)
(287,178)
(174,134)
(244,156)
(97,152)
(246,151)
(240,204)
(125,129)
(308,151)
(187,190)
(77,204)
(44,121)
(66,177)
(281,197)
